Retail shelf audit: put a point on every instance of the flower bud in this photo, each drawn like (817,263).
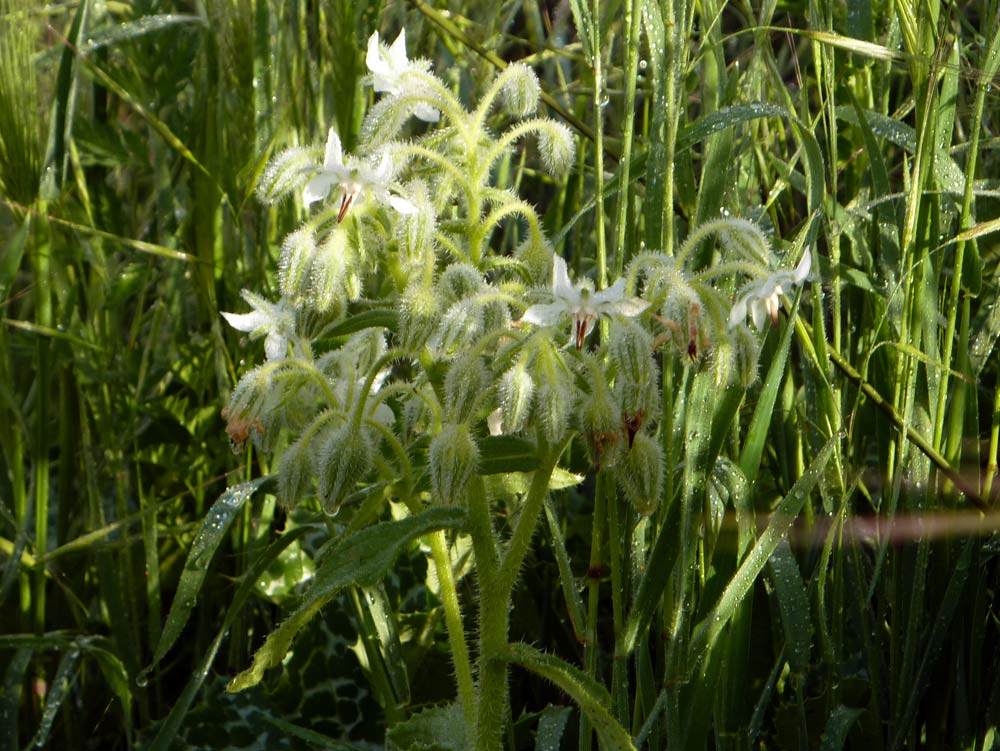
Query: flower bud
(747,354)
(285,173)
(454,459)
(520,90)
(601,421)
(556,397)
(419,315)
(463,385)
(640,474)
(346,459)
(537,259)
(459,281)
(330,272)
(516,392)
(556,147)
(637,376)
(298,252)
(295,473)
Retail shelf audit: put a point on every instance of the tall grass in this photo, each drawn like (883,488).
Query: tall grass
(821,568)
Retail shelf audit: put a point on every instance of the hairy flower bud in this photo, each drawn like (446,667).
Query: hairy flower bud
(601,419)
(520,90)
(556,147)
(556,396)
(419,315)
(295,473)
(463,385)
(346,459)
(516,392)
(454,459)
(637,376)
(640,474)
(298,252)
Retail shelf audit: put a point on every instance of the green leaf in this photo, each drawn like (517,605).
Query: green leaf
(839,724)
(732,116)
(708,631)
(434,729)
(210,535)
(10,697)
(384,319)
(360,558)
(506,453)
(171,725)
(592,698)
(793,602)
(551,727)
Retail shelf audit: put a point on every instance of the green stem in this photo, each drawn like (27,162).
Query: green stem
(594,572)
(453,622)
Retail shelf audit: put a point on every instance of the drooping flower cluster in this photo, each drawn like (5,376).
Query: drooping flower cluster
(403,341)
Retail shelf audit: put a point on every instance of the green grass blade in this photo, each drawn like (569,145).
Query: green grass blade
(58,691)
(171,725)
(708,631)
(793,602)
(209,537)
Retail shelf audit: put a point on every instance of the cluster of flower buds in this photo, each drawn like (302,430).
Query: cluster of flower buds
(403,337)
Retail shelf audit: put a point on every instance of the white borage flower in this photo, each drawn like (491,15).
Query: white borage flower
(762,298)
(356,177)
(275,320)
(581,303)
(390,67)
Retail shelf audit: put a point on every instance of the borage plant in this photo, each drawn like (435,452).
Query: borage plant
(416,374)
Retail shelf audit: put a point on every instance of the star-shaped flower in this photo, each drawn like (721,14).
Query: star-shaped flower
(356,177)
(276,321)
(581,303)
(762,297)
(389,68)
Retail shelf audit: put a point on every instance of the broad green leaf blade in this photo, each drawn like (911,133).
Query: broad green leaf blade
(839,724)
(210,535)
(592,698)
(114,672)
(387,319)
(360,558)
(506,453)
(434,729)
(551,727)
(171,725)
(793,602)
(708,631)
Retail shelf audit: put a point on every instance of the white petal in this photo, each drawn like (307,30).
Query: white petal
(612,294)
(561,285)
(275,346)
(426,112)
(402,206)
(494,421)
(247,321)
(334,151)
(397,53)
(758,311)
(802,270)
(631,307)
(739,312)
(544,315)
(373,59)
(317,188)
